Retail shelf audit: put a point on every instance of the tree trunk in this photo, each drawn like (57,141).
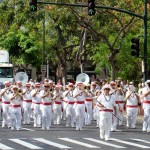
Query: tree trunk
(112,71)
(64,76)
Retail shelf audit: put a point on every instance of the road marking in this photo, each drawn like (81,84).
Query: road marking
(104,143)
(26,144)
(27,129)
(129,143)
(5,147)
(51,143)
(140,140)
(79,143)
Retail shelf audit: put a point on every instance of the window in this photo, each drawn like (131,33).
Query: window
(6,72)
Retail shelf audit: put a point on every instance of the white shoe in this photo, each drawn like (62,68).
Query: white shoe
(12,128)
(77,129)
(107,139)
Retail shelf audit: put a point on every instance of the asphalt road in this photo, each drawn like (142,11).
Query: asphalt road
(61,137)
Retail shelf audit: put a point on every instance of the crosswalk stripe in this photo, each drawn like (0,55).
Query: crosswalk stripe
(26,144)
(129,143)
(140,140)
(79,143)
(5,147)
(51,143)
(104,143)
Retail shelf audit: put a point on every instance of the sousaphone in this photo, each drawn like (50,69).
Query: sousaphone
(83,77)
(21,76)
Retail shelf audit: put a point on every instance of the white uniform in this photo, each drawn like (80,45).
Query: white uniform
(70,112)
(57,107)
(36,101)
(6,107)
(132,109)
(79,109)
(46,110)
(27,101)
(146,107)
(89,108)
(106,115)
(15,112)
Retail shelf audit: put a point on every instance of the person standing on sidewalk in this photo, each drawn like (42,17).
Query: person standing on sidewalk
(107,105)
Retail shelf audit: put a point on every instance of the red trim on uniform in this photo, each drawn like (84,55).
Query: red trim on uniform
(0,99)
(119,102)
(107,110)
(71,103)
(6,102)
(89,99)
(15,106)
(36,103)
(146,101)
(28,101)
(46,103)
(57,102)
(80,102)
(130,106)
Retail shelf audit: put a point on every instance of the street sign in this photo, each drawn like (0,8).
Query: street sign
(43,68)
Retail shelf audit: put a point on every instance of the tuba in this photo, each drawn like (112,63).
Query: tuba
(83,77)
(21,76)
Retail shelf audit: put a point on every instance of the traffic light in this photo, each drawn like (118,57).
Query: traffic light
(135,47)
(91,7)
(33,5)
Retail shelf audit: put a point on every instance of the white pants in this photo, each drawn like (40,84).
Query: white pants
(6,114)
(131,117)
(88,114)
(105,124)
(70,115)
(80,114)
(37,115)
(57,109)
(26,112)
(146,123)
(46,111)
(15,116)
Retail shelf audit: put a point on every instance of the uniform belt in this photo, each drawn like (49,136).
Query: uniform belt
(89,99)
(28,101)
(0,99)
(119,102)
(71,103)
(146,101)
(130,106)
(15,106)
(57,102)
(6,102)
(80,102)
(107,110)
(36,103)
(48,103)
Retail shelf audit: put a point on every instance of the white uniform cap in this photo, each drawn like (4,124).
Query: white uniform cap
(106,86)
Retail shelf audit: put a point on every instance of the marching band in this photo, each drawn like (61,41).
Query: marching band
(78,105)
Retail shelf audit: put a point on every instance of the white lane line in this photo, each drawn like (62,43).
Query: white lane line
(51,143)
(129,143)
(104,143)
(140,140)
(5,147)
(25,144)
(27,129)
(79,143)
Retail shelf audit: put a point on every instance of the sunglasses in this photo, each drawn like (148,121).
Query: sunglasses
(107,89)
(46,86)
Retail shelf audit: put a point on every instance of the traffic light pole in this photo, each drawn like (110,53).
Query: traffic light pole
(123,11)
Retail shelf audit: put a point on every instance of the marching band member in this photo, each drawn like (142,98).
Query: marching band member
(5,94)
(57,105)
(146,106)
(69,103)
(36,101)
(27,101)
(107,105)
(89,105)
(132,100)
(46,107)
(80,95)
(15,110)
